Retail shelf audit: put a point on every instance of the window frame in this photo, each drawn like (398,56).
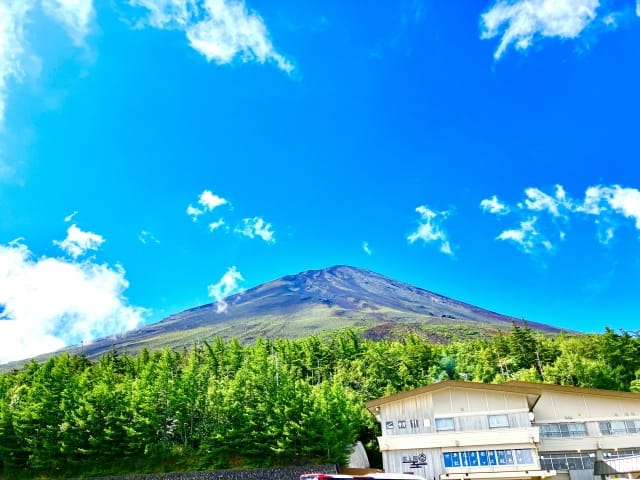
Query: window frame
(451,424)
(504,423)
(563,430)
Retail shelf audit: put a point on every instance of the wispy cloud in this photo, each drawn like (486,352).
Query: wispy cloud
(256,227)
(194,212)
(538,201)
(16,16)
(228,284)
(220,30)
(526,236)
(541,215)
(493,205)
(367,248)
(49,303)
(519,23)
(70,217)
(74,15)
(216,225)
(78,242)
(13,16)
(209,201)
(430,229)
(251,227)
(605,203)
(638,8)
(624,201)
(146,237)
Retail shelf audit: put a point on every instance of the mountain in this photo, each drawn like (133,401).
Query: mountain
(313,302)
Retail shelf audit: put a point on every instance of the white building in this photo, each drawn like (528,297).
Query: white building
(517,430)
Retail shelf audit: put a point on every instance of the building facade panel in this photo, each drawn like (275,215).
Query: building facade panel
(599,407)
(418,461)
(567,406)
(467,431)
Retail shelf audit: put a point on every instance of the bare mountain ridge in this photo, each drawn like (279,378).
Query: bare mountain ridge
(345,290)
(314,301)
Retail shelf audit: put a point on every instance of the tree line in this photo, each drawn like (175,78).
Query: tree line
(274,402)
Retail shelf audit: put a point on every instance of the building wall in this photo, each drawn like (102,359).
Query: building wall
(456,421)
(592,414)
(418,430)
(557,406)
(469,409)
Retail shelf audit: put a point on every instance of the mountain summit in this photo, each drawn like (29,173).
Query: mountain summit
(314,301)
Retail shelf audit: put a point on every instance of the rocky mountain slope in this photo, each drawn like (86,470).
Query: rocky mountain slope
(313,302)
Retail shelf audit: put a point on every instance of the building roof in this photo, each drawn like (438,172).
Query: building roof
(532,390)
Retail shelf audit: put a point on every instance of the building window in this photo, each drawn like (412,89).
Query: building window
(389,425)
(621,453)
(498,421)
(487,457)
(402,424)
(550,430)
(451,459)
(444,424)
(414,423)
(575,429)
(484,458)
(505,457)
(620,427)
(562,430)
(568,461)
(524,456)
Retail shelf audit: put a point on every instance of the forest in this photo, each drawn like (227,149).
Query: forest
(221,404)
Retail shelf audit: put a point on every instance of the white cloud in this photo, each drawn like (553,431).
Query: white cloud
(256,227)
(521,22)
(430,229)
(626,201)
(78,242)
(606,234)
(611,20)
(227,285)
(13,15)
(604,201)
(174,14)
(194,212)
(147,237)
(367,248)
(638,8)
(538,201)
(493,205)
(69,217)
(527,236)
(49,303)
(216,225)
(532,233)
(210,200)
(220,30)
(74,15)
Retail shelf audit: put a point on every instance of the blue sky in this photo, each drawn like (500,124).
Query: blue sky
(160,154)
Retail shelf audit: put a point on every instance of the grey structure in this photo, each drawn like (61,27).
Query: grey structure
(283,473)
